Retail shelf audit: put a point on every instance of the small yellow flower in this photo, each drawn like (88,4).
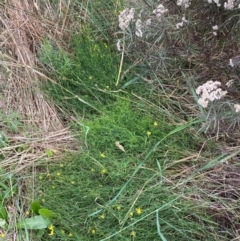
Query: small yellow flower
(131,214)
(62,231)
(149,133)
(40,177)
(104,171)
(155,123)
(105,45)
(102,216)
(72,182)
(2,235)
(53,187)
(90,77)
(139,211)
(54,151)
(133,233)
(27,213)
(70,234)
(61,165)
(51,228)
(58,173)
(92,170)
(118,207)
(102,155)
(93,231)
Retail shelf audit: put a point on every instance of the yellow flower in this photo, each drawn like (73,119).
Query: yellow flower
(90,77)
(72,182)
(61,165)
(133,233)
(70,234)
(27,213)
(139,211)
(58,173)
(40,177)
(53,187)
(93,231)
(2,235)
(102,155)
(62,231)
(51,228)
(92,170)
(105,45)
(149,133)
(102,216)
(118,207)
(155,123)
(131,214)
(104,171)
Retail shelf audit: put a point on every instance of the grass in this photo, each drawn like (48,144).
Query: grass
(139,167)
(91,181)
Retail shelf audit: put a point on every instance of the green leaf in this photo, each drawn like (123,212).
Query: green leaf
(37,222)
(46,213)
(35,206)
(3,212)
(2,223)
(49,153)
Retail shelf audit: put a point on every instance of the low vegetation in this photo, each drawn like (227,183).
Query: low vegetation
(120,121)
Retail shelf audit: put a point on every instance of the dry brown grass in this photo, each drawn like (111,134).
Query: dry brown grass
(22,32)
(24,25)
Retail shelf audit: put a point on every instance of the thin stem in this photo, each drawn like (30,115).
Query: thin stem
(121,62)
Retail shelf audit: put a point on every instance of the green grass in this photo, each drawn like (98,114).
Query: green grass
(83,188)
(96,193)
(154,190)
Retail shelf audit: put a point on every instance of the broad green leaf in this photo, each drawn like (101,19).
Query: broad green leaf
(46,213)
(35,206)
(37,222)
(2,223)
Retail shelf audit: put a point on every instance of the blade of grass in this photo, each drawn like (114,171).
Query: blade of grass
(158,227)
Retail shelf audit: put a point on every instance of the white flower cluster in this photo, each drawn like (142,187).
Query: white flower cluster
(139,27)
(184,3)
(237,108)
(215,29)
(179,25)
(210,91)
(229,4)
(125,17)
(160,11)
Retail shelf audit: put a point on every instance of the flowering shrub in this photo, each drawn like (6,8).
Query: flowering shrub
(197,38)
